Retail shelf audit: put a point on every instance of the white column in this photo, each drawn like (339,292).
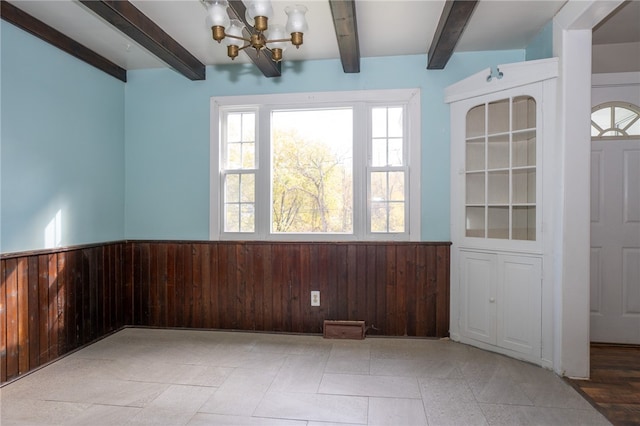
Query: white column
(572,44)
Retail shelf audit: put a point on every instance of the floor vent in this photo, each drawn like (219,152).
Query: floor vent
(334,329)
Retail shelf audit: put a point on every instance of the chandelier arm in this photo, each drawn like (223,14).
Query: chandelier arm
(237,38)
(278,40)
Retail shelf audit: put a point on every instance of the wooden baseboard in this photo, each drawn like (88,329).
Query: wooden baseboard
(334,329)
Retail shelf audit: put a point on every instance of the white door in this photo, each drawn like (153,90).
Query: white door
(519,303)
(478,280)
(615,241)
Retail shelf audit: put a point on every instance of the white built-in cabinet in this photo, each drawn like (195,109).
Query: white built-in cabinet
(499,145)
(501,300)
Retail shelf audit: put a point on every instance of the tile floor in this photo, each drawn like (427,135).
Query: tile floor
(192,377)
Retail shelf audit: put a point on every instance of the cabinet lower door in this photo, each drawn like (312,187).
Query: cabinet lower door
(519,310)
(478,281)
(501,300)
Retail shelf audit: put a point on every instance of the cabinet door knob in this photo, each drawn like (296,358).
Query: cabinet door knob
(492,300)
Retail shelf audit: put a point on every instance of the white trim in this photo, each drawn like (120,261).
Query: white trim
(214,175)
(513,75)
(572,28)
(615,79)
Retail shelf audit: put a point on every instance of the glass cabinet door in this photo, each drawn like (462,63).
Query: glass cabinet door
(500,169)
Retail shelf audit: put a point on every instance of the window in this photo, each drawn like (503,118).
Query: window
(615,120)
(316,166)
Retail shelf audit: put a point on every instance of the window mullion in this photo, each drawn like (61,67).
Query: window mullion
(263,172)
(361,161)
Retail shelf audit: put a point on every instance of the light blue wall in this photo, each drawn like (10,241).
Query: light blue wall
(167,133)
(541,47)
(62,144)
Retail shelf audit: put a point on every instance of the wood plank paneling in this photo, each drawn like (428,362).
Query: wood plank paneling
(47,307)
(43,307)
(34,340)
(23,315)
(3,321)
(60,303)
(52,302)
(11,277)
(401,289)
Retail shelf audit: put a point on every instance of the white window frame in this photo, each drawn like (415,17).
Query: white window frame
(362,101)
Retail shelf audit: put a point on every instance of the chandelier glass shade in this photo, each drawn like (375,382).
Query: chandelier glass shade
(274,38)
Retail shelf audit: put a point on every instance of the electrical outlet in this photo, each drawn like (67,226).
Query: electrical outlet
(315,298)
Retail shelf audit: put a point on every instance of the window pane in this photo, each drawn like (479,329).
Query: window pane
(239,197)
(234,127)
(379,217)
(232,189)
(498,152)
(232,218)
(623,117)
(248,155)
(498,116)
(247,218)
(524,113)
(602,118)
(524,223)
(475,122)
(379,152)
(248,127)
(475,222)
(475,188)
(475,154)
(395,122)
(379,190)
(379,122)
(396,186)
(498,222)
(234,155)
(240,142)
(395,152)
(524,149)
(524,186)
(312,176)
(247,189)
(396,217)
(498,187)
(387,202)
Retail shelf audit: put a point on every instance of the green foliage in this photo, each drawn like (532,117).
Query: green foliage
(312,187)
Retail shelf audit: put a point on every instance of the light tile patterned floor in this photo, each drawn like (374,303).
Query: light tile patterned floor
(193,377)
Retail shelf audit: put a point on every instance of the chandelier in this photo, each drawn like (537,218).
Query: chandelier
(263,36)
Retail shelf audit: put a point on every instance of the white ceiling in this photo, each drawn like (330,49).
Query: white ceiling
(385,27)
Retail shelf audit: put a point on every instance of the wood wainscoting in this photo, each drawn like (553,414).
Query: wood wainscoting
(52,302)
(400,289)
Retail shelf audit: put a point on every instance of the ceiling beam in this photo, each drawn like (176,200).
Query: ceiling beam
(454,18)
(28,23)
(262,60)
(132,22)
(345,24)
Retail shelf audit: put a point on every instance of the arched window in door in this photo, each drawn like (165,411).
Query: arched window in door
(615,120)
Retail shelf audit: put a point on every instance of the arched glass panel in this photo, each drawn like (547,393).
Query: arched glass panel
(500,175)
(615,120)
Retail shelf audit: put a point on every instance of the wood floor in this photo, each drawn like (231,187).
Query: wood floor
(614,387)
